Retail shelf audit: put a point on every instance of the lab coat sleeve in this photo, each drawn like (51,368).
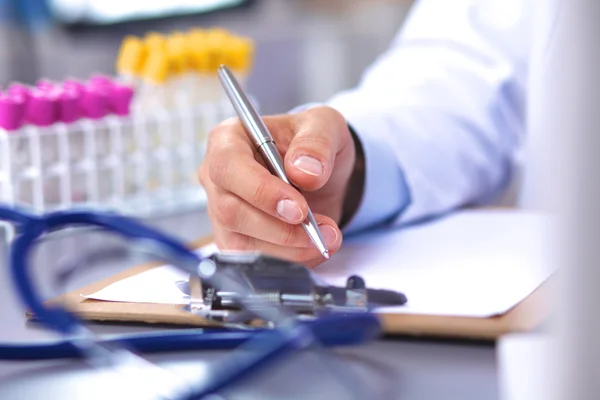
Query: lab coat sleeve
(438,115)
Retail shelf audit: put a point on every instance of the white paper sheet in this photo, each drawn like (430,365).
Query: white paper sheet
(158,285)
(472,263)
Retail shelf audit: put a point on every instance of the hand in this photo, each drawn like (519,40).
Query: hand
(251,209)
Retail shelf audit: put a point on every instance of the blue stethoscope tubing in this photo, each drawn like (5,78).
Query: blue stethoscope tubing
(332,329)
(34,227)
(329,331)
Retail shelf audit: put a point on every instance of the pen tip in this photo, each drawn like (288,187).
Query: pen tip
(326,254)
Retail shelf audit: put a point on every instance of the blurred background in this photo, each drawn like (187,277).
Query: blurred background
(306,50)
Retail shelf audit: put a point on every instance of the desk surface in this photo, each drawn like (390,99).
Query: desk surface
(526,366)
(403,368)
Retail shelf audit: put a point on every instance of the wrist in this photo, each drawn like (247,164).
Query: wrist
(356,183)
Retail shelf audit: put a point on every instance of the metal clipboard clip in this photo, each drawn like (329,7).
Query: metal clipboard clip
(280,283)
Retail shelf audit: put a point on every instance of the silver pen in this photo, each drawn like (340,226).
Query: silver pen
(262,139)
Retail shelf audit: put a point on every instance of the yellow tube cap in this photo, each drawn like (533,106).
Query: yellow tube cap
(132,56)
(177,51)
(156,69)
(155,41)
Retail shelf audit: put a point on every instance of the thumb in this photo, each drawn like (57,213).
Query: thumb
(319,134)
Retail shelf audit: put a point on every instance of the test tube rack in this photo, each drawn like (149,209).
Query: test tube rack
(131,143)
(137,161)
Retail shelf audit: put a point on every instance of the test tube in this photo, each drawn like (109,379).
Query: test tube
(155,74)
(94,107)
(74,88)
(123,138)
(120,99)
(179,120)
(178,100)
(41,112)
(105,154)
(198,53)
(69,105)
(12,112)
(215,54)
(67,129)
(131,59)
(153,130)
(177,52)
(20,147)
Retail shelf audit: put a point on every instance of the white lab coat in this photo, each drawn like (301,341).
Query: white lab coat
(441,114)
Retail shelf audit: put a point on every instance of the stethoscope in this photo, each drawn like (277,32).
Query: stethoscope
(269,344)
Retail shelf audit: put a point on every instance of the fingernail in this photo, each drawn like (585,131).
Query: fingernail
(329,234)
(309,165)
(289,210)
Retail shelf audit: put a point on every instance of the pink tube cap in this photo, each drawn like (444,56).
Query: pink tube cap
(101,80)
(94,102)
(120,99)
(42,107)
(68,100)
(19,90)
(45,85)
(12,111)
(73,85)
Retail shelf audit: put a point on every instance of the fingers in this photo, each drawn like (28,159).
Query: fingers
(233,168)
(233,214)
(320,134)
(252,210)
(308,256)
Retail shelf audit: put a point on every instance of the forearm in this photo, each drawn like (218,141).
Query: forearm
(438,116)
(377,191)
(356,184)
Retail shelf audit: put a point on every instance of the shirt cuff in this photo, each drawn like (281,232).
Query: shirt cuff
(386,193)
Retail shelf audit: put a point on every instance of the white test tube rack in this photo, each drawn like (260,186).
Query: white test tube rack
(144,164)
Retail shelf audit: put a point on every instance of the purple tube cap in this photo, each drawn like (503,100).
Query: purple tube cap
(19,90)
(45,85)
(120,99)
(73,86)
(42,107)
(68,105)
(101,80)
(12,111)
(94,102)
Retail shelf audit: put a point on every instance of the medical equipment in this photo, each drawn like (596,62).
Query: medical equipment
(284,333)
(130,142)
(282,283)
(107,162)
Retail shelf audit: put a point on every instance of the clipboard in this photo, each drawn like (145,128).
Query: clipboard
(524,317)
